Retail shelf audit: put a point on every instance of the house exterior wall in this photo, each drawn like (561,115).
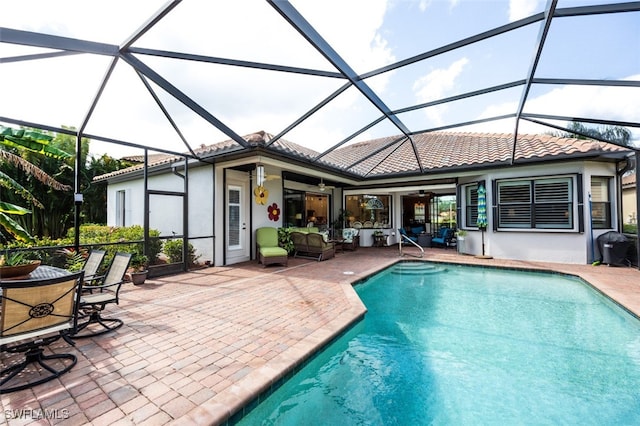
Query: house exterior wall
(207,210)
(166,212)
(629,205)
(565,246)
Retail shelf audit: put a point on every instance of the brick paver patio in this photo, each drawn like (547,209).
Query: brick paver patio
(196,347)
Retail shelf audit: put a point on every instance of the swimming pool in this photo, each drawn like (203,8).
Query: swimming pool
(446,344)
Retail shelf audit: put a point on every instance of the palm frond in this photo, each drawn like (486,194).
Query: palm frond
(9,183)
(31,140)
(15,229)
(13,209)
(33,170)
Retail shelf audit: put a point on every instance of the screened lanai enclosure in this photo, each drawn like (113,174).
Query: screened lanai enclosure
(155,77)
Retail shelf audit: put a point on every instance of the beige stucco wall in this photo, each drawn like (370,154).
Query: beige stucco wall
(629,213)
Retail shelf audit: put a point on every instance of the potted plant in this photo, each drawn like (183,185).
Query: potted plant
(13,265)
(139,264)
(460,237)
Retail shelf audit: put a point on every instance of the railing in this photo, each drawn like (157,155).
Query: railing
(406,238)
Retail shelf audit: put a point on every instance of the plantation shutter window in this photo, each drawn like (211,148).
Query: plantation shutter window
(471,205)
(545,203)
(553,203)
(514,204)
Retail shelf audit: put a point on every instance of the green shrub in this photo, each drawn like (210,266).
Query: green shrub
(630,228)
(92,235)
(173,250)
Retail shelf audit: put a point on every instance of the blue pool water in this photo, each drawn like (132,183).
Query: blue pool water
(463,345)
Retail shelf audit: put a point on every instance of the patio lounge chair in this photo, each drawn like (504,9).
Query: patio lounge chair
(411,237)
(268,249)
(36,313)
(100,294)
(444,237)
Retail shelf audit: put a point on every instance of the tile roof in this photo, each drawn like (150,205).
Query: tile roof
(438,151)
(443,150)
(629,181)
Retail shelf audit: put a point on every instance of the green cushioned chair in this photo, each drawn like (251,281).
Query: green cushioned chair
(268,249)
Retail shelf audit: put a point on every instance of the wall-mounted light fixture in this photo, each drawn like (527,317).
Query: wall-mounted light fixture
(260,174)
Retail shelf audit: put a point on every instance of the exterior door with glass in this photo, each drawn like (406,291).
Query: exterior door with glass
(237,229)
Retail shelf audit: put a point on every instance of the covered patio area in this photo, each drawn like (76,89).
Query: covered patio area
(199,346)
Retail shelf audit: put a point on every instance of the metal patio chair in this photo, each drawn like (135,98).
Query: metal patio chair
(98,295)
(35,313)
(92,265)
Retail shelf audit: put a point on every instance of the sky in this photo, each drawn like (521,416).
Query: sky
(366,34)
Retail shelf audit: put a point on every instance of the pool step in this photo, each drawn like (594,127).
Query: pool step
(416,268)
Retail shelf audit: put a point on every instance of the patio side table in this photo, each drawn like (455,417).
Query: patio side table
(424,240)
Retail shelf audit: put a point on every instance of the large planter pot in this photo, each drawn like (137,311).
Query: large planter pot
(18,271)
(138,278)
(461,245)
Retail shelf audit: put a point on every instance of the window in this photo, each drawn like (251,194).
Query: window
(234,214)
(303,208)
(600,202)
(368,210)
(471,205)
(121,208)
(545,203)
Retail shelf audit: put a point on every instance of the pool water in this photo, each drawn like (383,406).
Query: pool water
(444,344)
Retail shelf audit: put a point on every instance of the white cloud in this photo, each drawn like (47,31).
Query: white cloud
(609,103)
(436,85)
(244,30)
(424,4)
(438,82)
(519,9)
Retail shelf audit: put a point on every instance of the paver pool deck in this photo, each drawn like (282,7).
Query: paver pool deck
(197,347)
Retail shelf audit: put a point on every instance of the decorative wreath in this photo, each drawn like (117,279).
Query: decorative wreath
(261,194)
(274,212)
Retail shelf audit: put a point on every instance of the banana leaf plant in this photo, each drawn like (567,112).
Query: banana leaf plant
(30,141)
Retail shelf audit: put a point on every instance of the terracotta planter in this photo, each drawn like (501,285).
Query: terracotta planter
(18,271)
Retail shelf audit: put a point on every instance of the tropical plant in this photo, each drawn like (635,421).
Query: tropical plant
(173,250)
(139,262)
(618,134)
(284,239)
(73,260)
(12,142)
(14,259)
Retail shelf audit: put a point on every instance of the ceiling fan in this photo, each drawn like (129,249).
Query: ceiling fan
(322,187)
